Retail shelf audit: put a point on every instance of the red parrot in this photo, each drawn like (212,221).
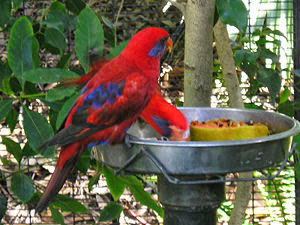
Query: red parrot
(110,102)
(165,118)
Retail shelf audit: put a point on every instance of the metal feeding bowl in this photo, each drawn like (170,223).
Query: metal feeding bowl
(143,155)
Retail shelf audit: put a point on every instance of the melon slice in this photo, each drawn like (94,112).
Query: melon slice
(226,130)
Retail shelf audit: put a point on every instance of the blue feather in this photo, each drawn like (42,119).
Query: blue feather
(159,48)
(163,124)
(93,144)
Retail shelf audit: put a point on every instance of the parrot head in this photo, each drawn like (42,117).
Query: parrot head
(149,43)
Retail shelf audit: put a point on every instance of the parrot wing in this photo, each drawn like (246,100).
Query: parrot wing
(101,107)
(163,116)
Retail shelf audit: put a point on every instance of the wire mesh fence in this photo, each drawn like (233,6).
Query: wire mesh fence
(272,202)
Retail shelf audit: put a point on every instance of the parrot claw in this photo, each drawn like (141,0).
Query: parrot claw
(127,141)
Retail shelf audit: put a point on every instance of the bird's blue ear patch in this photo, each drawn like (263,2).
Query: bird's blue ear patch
(163,125)
(158,48)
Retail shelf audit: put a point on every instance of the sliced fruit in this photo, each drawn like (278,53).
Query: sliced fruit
(226,130)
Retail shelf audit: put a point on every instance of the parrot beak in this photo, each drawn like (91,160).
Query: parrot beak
(169,44)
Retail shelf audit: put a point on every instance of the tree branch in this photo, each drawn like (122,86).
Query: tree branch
(243,193)
(198,52)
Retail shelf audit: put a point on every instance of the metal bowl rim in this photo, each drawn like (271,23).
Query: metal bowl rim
(278,136)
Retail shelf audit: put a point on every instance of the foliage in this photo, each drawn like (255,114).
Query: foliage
(23,82)
(254,62)
(233,12)
(257,55)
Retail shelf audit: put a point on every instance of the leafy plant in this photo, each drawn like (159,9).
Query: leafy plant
(23,82)
(254,62)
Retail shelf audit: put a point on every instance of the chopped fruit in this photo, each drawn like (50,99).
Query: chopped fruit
(226,130)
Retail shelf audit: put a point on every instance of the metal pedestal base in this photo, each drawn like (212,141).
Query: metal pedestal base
(190,204)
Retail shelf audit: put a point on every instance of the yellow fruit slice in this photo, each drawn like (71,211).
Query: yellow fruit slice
(225,130)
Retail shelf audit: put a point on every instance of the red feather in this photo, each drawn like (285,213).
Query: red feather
(111,101)
(163,116)
(96,66)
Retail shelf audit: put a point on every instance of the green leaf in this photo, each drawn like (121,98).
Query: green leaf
(107,22)
(5,72)
(57,16)
(285,95)
(94,180)
(5,107)
(28,151)
(246,60)
(15,84)
(245,56)
(13,148)
(110,35)
(84,161)
(16,4)
(6,162)
(12,119)
(35,52)
(64,61)
(249,68)
(178,103)
(55,38)
(20,47)
(117,50)
(3,206)
(6,88)
(64,111)
(89,35)
(286,108)
(5,13)
(30,88)
(114,183)
(271,79)
(267,54)
(252,106)
(68,204)
(59,93)
(37,130)
(240,56)
(75,6)
(22,186)
(48,75)
(111,211)
(279,33)
(296,72)
(136,188)
(233,12)
(56,215)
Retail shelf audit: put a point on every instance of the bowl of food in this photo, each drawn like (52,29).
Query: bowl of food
(143,153)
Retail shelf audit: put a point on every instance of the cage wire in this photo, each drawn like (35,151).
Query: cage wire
(272,202)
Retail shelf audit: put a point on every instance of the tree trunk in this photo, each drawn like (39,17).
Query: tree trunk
(198,53)
(226,59)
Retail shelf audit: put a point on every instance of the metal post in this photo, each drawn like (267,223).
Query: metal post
(190,204)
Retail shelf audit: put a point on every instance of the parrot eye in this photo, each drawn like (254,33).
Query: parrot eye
(158,48)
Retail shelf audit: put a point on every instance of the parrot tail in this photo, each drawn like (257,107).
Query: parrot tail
(59,176)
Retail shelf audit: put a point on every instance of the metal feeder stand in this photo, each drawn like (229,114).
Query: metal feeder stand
(191,175)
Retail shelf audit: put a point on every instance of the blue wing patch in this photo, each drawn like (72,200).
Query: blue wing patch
(163,124)
(100,95)
(158,48)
